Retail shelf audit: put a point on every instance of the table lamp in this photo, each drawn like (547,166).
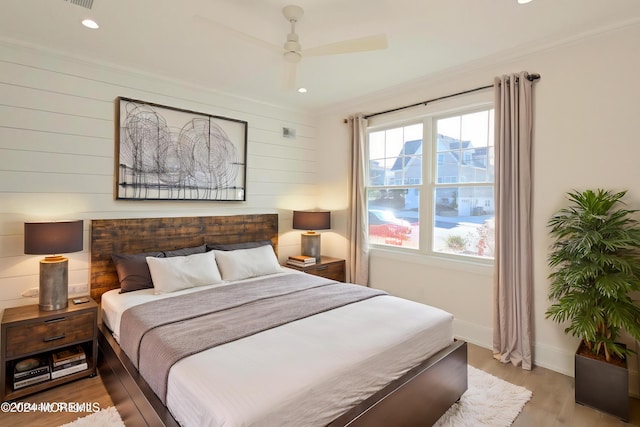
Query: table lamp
(311,221)
(52,239)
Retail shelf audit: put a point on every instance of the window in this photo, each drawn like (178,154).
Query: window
(448,199)
(394,185)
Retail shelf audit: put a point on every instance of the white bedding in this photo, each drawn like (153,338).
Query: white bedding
(305,373)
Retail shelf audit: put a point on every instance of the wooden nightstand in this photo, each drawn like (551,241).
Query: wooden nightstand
(29,332)
(331,268)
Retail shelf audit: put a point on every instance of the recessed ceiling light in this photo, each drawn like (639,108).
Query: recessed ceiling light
(302,90)
(523,1)
(90,23)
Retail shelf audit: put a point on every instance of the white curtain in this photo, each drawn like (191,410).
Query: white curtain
(358,266)
(513,282)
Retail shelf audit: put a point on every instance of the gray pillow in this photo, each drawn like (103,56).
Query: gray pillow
(236,246)
(133,271)
(186,251)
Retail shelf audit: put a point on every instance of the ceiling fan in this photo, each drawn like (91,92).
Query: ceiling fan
(293,52)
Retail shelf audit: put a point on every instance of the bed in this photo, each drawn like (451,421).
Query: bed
(365,359)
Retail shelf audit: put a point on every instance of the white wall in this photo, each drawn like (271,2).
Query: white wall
(586,136)
(57,155)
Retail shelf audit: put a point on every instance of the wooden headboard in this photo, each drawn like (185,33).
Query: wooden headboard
(137,235)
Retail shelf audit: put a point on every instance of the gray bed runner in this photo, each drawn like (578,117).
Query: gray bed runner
(157,334)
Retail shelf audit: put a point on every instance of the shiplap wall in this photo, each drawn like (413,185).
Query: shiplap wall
(57,154)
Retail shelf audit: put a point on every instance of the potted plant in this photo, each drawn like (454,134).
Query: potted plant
(595,267)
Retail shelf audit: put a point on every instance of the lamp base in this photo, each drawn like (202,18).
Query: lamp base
(54,283)
(310,245)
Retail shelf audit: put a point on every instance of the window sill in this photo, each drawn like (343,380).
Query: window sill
(476,266)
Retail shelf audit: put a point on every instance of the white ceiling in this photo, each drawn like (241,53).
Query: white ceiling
(193,40)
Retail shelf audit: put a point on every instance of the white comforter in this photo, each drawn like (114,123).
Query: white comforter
(305,373)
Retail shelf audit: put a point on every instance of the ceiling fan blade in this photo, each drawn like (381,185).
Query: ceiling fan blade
(290,71)
(238,34)
(364,44)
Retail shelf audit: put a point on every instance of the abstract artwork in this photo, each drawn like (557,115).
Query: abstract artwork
(165,153)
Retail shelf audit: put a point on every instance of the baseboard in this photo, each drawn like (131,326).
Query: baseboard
(473,333)
(553,358)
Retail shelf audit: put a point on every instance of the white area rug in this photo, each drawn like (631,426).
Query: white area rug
(108,417)
(488,402)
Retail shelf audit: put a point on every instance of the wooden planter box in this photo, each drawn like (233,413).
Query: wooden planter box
(602,385)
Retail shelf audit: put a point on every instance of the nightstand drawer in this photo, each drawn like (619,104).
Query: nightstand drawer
(330,271)
(43,335)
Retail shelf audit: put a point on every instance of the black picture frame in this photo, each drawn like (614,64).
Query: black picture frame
(168,153)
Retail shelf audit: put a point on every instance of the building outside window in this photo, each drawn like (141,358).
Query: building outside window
(431,185)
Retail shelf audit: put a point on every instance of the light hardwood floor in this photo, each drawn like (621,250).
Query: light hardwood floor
(552,403)
(83,390)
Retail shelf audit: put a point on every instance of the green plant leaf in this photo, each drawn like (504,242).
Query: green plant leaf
(595,264)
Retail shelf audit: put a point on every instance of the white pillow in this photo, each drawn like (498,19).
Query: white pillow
(182,272)
(244,263)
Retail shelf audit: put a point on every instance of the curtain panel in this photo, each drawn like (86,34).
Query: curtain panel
(513,279)
(358,267)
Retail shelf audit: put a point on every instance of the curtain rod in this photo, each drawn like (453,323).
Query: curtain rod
(530,77)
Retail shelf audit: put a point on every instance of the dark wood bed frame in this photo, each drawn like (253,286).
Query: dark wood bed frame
(418,398)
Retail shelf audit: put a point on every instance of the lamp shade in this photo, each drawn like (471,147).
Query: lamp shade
(311,220)
(50,238)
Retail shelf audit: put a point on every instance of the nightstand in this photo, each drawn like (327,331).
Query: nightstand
(29,332)
(331,268)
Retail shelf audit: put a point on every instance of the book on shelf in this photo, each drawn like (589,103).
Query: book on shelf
(67,355)
(31,367)
(68,365)
(301,260)
(69,368)
(24,382)
(300,264)
(31,371)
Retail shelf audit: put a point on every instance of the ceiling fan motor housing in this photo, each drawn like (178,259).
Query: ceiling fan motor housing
(292,12)
(292,56)
(292,44)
